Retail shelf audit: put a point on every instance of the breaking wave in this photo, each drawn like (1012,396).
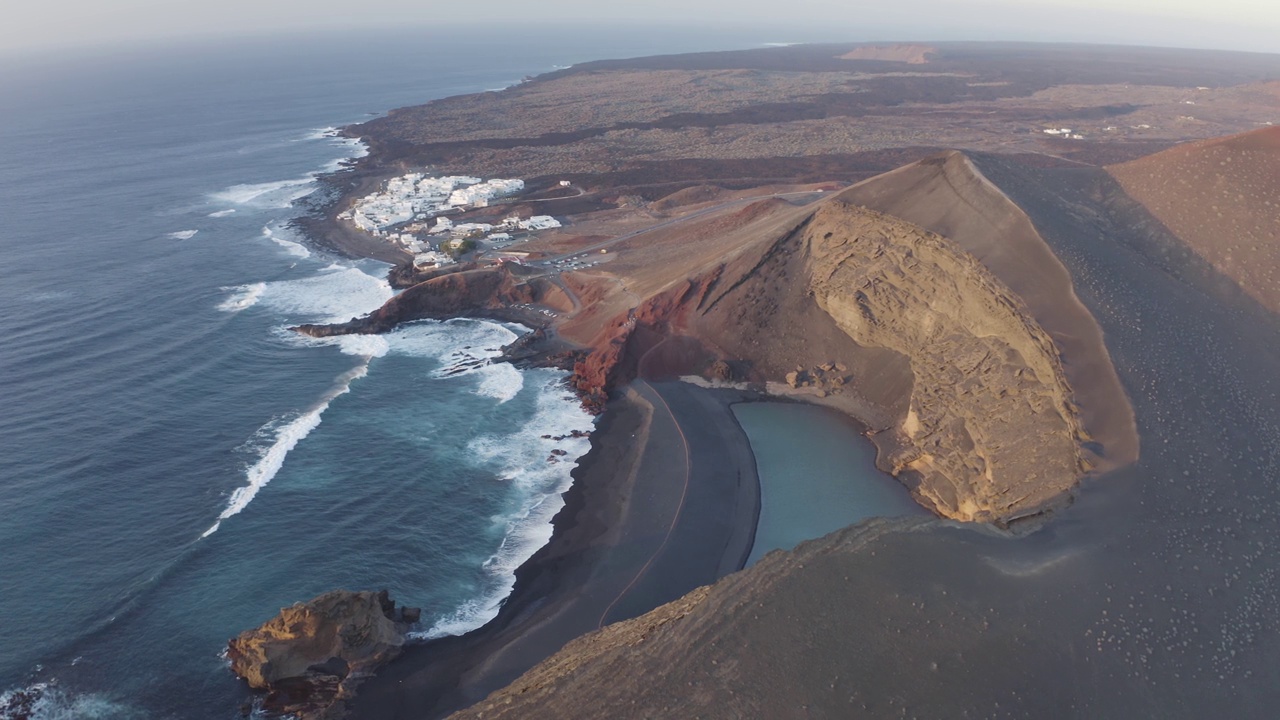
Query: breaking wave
(265,196)
(524,459)
(279,237)
(287,436)
(183,234)
(46,701)
(241,297)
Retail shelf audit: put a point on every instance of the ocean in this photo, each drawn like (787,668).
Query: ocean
(175,464)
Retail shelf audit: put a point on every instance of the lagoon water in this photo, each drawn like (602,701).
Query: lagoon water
(817,475)
(175,465)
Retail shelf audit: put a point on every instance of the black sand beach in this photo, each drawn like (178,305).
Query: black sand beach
(666,501)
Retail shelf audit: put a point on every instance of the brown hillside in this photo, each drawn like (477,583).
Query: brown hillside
(1222,198)
(949,196)
(904,53)
(981,424)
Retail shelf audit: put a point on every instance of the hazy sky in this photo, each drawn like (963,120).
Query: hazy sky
(1227,24)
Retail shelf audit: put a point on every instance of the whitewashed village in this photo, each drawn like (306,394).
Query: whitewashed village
(413,210)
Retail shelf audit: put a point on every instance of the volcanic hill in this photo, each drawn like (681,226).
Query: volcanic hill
(1222,198)
(1006,319)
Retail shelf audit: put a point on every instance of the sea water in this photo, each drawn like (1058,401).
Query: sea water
(175,464)
(817,475)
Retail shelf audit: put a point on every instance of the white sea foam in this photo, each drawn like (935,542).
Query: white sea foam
(241,297)
(362,345)
(472,353)
(355,148)
(320,133)
(183,234)
(46,701)
(335,294)
(520,458)
(501,381)
(283,193)
(287,436)
(271,195)
(280,236)
(223,213)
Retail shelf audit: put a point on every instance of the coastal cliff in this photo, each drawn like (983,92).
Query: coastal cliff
(465,291)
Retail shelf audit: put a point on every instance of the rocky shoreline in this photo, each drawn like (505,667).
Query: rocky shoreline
(309,659)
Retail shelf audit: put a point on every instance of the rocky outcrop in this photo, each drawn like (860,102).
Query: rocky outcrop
(991,432)
(466,291)
(614,358)
(310,658)
(406,275)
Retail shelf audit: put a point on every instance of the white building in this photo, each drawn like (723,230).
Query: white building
(480,194)
(539,222)
(415,197)
(469,228)
(431,259)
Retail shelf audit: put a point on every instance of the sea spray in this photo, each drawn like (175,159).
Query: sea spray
(336,293)
(46,701)
(286,438)
(280,236)
(242,297)
(524,459)
(266,196)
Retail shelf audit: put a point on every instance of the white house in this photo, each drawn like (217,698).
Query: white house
(540,222)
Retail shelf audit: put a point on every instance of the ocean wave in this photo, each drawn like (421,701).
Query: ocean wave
(473,353)
(500,381)
(183,234)
(242,297)
(270,195)
(287,436)
(283,193)
(222,213)
(46,701)
(320,133)
(355,149)
(518,458)
(336,293)
(278,236)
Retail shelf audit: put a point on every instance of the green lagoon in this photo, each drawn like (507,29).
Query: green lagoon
(817,474)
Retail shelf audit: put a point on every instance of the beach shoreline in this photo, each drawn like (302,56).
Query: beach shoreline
(641,526)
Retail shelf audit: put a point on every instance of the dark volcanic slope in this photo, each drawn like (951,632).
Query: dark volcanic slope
(1222,198)
(1155,595)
